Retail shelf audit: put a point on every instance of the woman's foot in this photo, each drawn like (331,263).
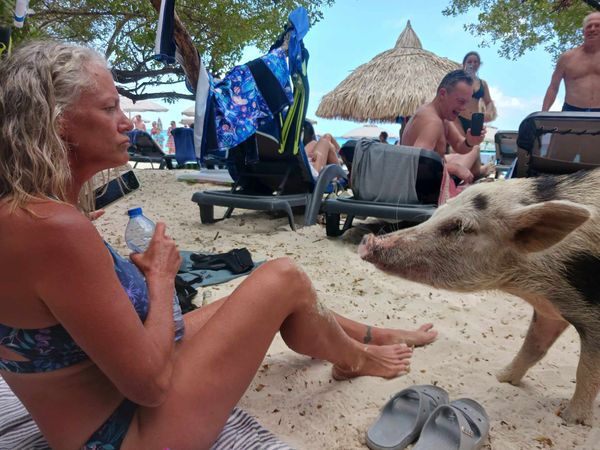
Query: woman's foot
(384,336)
(386,361)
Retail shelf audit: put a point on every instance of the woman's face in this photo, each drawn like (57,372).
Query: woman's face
(95,127)
(472,64)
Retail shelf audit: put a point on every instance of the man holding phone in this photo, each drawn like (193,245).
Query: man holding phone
(432,127)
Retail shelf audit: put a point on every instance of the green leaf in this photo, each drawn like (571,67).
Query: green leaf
(521,25)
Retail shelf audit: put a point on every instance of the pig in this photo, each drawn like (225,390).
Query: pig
(537,238)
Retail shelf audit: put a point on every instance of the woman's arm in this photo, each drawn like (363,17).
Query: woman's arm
(76,279)
(461,172)
(490,108)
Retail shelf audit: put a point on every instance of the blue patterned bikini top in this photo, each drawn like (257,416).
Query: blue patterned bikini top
(52,348)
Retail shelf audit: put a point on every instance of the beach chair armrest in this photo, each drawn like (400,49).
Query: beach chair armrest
(327,174)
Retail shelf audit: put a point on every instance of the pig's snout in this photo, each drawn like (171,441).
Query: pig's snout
(365,249)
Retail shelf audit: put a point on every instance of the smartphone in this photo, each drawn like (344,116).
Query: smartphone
(116,188)
(476,124)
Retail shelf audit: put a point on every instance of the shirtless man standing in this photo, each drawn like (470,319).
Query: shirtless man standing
(432,127)
(580,68)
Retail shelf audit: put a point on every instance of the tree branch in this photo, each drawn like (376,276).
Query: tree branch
(111,41)
(130,76)
(78,12)
(167,95)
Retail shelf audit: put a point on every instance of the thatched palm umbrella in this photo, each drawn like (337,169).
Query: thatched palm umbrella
(394,83)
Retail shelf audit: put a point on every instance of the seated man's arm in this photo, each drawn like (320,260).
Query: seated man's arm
(428,133)
(462,144)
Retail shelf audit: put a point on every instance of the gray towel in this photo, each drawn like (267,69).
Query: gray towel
(385,173)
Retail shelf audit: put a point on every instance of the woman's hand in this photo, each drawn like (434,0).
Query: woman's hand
(464,174)
(461,172)
(162,259)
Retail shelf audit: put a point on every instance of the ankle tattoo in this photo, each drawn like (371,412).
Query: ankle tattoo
(368,338)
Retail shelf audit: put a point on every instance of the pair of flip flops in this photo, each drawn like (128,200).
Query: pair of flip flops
(424,412)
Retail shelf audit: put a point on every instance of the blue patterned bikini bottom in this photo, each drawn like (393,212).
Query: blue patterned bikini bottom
(112,432)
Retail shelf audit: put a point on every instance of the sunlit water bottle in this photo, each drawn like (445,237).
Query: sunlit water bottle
(138,233)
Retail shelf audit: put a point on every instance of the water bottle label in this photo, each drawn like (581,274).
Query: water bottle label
(178,318)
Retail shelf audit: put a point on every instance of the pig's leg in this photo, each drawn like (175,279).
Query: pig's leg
(580,407)
(542,333)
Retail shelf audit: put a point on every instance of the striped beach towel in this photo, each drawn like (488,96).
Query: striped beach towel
(19,432)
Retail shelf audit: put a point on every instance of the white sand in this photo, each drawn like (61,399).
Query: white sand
(297,399)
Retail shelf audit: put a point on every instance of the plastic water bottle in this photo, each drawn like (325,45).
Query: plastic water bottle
(20,13)
(138,233)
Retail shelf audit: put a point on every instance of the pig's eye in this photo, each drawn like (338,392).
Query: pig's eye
(455,227)
(450,228)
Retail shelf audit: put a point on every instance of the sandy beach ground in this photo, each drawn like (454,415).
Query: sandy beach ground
(296,398)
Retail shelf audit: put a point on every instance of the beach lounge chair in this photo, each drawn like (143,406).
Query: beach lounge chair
(558,143)
(145,149)
(185,154)
(270,169)
(419,171)
(274,182)
(506,151)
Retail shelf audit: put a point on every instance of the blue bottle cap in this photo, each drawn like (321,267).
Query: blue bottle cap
(135,212)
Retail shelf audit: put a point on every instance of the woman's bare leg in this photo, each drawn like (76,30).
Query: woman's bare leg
(322,154)
(215,365)
(358,331)
(471,161)
(382,336)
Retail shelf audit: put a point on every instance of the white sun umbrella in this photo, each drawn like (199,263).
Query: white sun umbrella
(366,131)
(190,112)
(129,106)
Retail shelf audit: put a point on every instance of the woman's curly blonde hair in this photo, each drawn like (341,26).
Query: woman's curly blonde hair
(38,83)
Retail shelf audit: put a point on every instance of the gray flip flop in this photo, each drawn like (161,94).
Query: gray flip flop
(403,416)
(461,425)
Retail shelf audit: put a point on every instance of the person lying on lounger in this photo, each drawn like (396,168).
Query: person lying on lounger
(319,152)
(92,343)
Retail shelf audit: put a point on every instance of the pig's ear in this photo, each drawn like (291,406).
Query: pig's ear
(540,226)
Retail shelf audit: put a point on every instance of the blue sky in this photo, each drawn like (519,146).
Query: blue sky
(352,32)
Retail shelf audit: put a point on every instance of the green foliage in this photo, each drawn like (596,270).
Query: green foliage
(521,25)
(125,30)
(7,8)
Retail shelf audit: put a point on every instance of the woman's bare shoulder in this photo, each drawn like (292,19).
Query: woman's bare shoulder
(42,220)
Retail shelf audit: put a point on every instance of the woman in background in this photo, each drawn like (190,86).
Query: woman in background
(170,139)
(481,100)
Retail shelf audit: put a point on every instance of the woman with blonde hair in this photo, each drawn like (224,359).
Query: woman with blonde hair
(90,342)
